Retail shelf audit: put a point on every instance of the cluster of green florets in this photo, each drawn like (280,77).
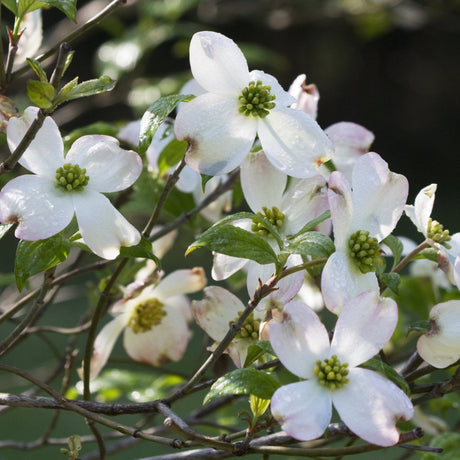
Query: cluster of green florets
(71,177)
(437,233)
(249,329)
(332,373)
(272,215)
(256,100)
(365,250)
(147,314)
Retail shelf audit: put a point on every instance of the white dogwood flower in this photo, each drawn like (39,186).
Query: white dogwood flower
(154,321)
(440,346)
(363,214)
(44,203)
(222,124)
(368,403)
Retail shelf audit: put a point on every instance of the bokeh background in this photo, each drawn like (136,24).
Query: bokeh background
(391,65)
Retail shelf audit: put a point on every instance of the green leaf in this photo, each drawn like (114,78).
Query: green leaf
(313,223)
(257,350)
(34,257)
(143,250)
(313,244)
(247,381)
(68,7)
(87,88)
(236,242)
(65,90)
(258,406)
(391,280)
(422,326)
(38,69)
(26,6)
(379,366)
(171,155)
(4,229)
(41,93)
(155,115)
(428,253)
(396,248)
(450,445)
(11,5)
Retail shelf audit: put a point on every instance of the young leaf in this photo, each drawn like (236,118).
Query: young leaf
(256,351)
(236,242)
(313,244)
(34,257)
(38,69)
(313,223)
(27,6)
(155,115)
(171,155)
(41,93)
(391,280)
(87,88)
(247,381)
(68,7)
(143,249)
(396,248)
(379,366)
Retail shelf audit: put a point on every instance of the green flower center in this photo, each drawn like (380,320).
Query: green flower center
(146,315)
(331,373)
(437,233)
(256,100)
(365,251)
(249,329)
(272,215)
(71,177)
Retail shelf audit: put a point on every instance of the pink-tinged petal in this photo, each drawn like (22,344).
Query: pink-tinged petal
(217,64)
(300,339)
(180,282)
(219,136)
(95,153)
(379,196)
(419,213)
(262,184)
(39,208)
(307,96)
(238,350)
(371,405)
(166,341)
(283,98)
(216,311)
(46,152)
(102,227)
(440,346)
(341,205)
(256,273)
(104,343)
(303,201)
(457,271)
(303,409)
(181,303)
(293,141)
(341,280)
(365,325)
(188,180)
(225,266)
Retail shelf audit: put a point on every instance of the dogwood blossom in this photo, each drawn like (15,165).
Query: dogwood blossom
(368,403)
(221,125)
(439,238)
(440,346)
(306,96)
(363,214)
(43,204)
(154,321)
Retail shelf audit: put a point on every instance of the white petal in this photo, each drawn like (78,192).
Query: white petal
(300,339)
(38,207)
(341,205)
(165,341)
(217,64)
(180,282)
(257,272)
(214,313)
(104,343)
(219,136)
(303,201)
(188,180)
(370,405)
(102,227)
(225,266)
(379,196)
(293,141)
(341,280)
(46,152)
(304,409)
(95,153)
(283,98)
(238,350)
(307,96)
(130,132)
(262,184)
(365,325)
(420,212)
